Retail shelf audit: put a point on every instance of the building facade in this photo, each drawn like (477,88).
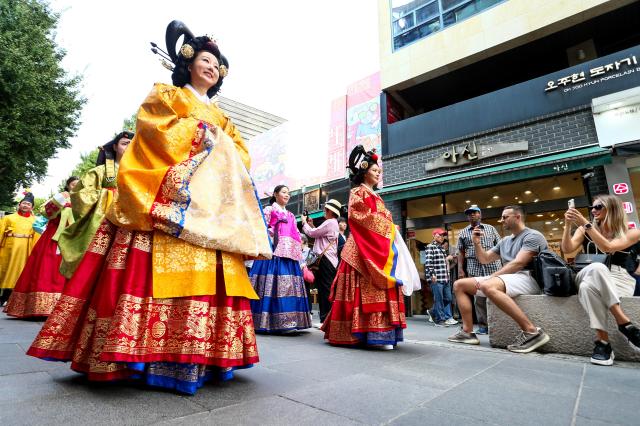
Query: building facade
(501,102)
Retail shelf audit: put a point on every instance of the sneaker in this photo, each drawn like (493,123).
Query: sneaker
(632,333)
(451,321)
(463,337)
(429,317)
(527,342)
(482,330)
(441,324)
(602,354)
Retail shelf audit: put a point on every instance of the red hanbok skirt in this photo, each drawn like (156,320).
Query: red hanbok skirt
(110,327)
(362,314)
(40,284)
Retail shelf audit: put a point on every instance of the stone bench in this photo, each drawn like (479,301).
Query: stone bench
(566,323)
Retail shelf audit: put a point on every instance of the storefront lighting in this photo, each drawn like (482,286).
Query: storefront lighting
(539,215)
(515,198)
(554,229)
(519,201)
(495,197)
(536,200)
(467,201)
(548,223)
(552,215)
(527,192)
(489,207)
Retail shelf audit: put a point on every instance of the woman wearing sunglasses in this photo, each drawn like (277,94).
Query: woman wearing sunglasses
(600,288)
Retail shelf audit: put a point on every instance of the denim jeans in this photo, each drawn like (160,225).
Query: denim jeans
(441,310)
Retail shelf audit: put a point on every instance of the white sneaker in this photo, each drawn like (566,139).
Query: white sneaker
(451,321)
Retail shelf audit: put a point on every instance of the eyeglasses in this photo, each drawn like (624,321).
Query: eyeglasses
(506,217)
(597,207)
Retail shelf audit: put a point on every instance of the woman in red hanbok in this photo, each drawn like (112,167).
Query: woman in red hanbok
(40,284)
(162,294)
(375,269)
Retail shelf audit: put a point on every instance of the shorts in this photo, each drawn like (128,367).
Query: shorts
(517,284)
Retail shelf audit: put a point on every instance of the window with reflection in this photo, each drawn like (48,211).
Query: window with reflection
(413,20)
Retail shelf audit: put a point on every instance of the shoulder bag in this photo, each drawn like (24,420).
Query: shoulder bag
(553,275)
(313,259)
(583,260)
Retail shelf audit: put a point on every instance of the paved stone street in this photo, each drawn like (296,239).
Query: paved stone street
(302,380)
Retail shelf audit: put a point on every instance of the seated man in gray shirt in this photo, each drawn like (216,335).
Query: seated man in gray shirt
(513,279)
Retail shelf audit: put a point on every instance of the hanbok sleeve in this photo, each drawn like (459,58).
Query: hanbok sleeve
(164,134)
(87,192)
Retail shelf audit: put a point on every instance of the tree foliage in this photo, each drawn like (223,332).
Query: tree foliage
(87,162)
(39,103)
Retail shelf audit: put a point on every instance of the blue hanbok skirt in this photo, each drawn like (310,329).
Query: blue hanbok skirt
(283,305)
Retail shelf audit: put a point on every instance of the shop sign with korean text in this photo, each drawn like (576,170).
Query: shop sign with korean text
(465,153)
(595,75)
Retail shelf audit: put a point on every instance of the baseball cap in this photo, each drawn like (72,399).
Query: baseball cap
(473,208)
(439,231)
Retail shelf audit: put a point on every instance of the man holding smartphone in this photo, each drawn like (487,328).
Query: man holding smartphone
(514,279)
(468,264)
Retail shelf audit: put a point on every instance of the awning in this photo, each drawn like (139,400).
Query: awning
(548,165)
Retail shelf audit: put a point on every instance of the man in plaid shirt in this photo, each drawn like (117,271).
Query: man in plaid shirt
(437,274)
(467,256)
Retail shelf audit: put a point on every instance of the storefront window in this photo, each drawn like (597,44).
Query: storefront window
(539,197)
(532,191)
(425,207)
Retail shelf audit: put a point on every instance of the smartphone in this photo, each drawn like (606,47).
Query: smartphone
(571,203)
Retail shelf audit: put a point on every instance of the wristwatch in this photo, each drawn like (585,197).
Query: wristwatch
(587,226)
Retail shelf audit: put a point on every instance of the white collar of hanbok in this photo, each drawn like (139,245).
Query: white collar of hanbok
(204,98)
(277,206)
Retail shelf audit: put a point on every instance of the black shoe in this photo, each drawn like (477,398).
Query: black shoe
(602,354)
(632,333)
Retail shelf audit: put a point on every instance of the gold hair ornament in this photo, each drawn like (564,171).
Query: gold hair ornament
(364,164)
(223,71)
(187,51)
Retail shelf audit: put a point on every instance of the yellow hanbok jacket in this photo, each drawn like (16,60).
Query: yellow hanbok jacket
(17,239)
(185,177)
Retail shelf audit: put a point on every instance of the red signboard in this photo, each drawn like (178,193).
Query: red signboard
(628,207)
(632,225)
(620,188)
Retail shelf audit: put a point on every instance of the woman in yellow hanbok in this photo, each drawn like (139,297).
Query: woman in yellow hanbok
(17,239)
(170,304)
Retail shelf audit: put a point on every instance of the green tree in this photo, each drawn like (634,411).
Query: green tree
(39,102)
(87,162)
(130,123)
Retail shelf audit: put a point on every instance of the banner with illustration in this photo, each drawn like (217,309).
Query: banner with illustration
(363,115)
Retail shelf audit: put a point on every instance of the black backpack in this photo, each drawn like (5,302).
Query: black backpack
(553,275)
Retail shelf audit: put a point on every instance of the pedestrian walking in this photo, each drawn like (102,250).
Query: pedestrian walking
(325,246)
(367,295)
(282,306)
(17,239)
(162,294)
(90,200)
(40,284)
(437,273)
